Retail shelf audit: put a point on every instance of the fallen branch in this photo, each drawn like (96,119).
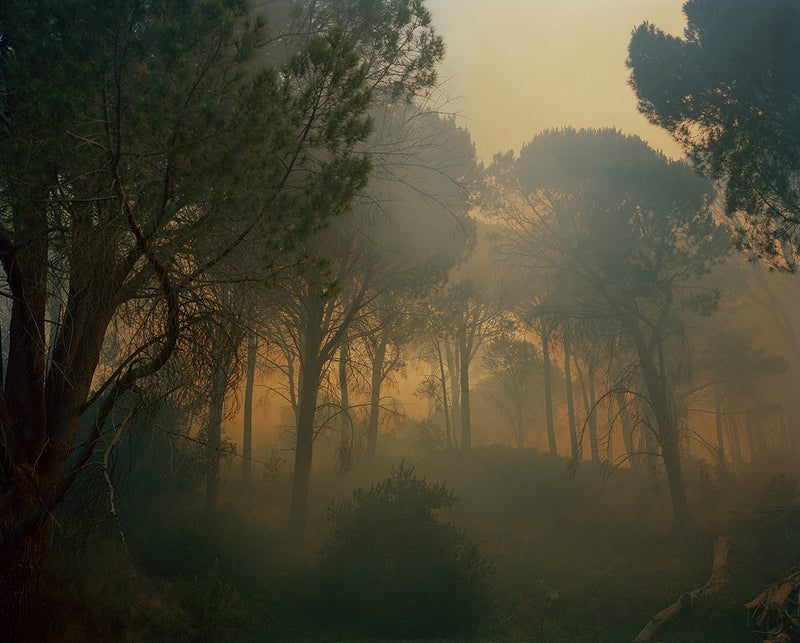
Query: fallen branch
(719,576)
(776,611)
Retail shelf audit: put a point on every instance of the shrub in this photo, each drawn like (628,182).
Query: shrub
(389,567)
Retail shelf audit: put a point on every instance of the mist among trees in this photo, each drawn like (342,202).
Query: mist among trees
(282,359)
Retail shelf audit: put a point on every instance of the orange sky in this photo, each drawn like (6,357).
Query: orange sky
(516,67)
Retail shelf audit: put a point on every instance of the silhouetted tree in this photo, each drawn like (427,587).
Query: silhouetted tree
(140,144)
(626,234)
(729,92)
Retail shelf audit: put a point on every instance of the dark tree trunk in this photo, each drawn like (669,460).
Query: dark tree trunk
(20,570)
(311,364)
(455,396)
(346,434)
(466,428)
(593,439)
(309,389)
(376,383)
(247,435)
(666,429)
(219,386)
(573,433)
(627,429)
(548,397)
(445,405)
(588,404)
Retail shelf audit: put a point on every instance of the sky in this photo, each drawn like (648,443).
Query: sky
(516,67)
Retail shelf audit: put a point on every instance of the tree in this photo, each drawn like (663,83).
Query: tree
(729,93)
(514,364)
(363,265)
(626,235)
(140,145)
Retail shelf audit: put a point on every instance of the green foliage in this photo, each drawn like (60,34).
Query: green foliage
(729,92)
(389,567)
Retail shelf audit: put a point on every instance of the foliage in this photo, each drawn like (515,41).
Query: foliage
(729,92)
(429,438)
(389,567)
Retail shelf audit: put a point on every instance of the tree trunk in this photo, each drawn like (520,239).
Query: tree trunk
(627,430)
(445,406)
(466,428)
(737,460)
(453,370)
(311,365)
(219,387)
(548,397)
(721,461)
(247,436)
(20,569)
(610,430)
(666,430)
(573,433)
(346,455)
(309,390)
(375,393)
(588,404)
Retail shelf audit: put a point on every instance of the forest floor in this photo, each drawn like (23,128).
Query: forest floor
(588,557)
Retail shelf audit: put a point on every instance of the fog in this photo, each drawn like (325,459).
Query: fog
(389,320)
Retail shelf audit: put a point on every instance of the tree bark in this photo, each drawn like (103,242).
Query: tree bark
(247,434)
(466,428)
(376,382)
(310,375)
(455,395)
(548,397)
(573,433)
(346,455)
(445,405)
(219,386)
(666,431)
(309,389)
(627,429)
(588,404)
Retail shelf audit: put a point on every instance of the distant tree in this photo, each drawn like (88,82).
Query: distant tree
(516,370)
(626,235)
(729,92)
(471,319)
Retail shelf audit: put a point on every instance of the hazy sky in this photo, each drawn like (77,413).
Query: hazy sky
(516,67)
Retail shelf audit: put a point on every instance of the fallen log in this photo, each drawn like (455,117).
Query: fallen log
(719,576)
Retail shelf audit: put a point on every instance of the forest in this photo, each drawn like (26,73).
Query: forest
(282,359)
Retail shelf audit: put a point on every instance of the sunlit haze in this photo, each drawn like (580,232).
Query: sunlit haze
(516,67)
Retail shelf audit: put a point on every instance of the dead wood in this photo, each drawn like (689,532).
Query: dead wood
(719,576)
(776,610)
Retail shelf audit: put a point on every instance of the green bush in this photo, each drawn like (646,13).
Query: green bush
(389,567)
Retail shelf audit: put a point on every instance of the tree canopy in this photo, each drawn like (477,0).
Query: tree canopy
(729,93)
